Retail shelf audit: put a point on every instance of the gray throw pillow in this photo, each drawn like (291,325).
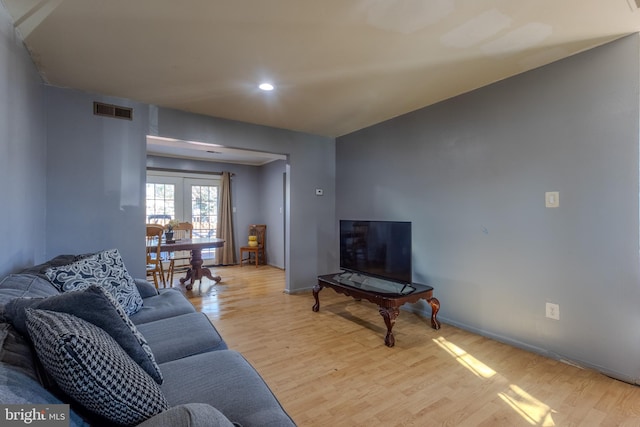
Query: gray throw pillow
(105,269)
(89,366)
(95,305)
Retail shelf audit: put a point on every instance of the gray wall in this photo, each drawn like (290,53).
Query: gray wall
(471,174)
(95,177)
(22,155)
(272,204)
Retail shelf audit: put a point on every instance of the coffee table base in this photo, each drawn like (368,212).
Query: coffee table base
(388,306)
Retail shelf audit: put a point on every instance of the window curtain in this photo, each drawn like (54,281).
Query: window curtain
(227,254)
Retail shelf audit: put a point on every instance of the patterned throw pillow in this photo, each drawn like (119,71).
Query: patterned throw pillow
(90,366)
(95,305)
(104,269)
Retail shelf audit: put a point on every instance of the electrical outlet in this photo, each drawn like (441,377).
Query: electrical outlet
(552,199)
(553,311)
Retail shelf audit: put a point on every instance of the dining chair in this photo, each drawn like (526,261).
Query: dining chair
(179,259)
(154,258)
(258,249)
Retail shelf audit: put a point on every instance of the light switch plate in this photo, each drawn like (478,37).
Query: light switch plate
(552,199)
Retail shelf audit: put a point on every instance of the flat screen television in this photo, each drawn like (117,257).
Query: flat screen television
(377,248)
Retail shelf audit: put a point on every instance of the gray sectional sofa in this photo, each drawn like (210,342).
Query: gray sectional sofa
(182,361)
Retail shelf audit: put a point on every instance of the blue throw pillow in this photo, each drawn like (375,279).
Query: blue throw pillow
(97,306)
(105,269)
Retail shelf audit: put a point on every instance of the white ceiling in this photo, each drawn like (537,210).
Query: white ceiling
(338,65)
(169,147)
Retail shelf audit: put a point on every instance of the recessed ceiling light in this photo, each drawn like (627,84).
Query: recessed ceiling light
(266,86)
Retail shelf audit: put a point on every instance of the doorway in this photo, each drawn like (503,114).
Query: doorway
(260,191)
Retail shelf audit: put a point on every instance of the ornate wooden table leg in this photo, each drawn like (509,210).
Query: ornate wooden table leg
(207,273)
(435,306)
(189,277)
(389,315)
(316,291)
(196,272)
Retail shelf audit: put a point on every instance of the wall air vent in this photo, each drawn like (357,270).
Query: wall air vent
(108,110)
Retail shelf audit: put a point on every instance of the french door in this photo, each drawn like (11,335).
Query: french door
(184,197)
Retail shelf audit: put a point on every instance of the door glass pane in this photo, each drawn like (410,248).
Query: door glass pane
(204,210)
(204,213)
(160,201)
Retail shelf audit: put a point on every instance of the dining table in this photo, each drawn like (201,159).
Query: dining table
(195,245)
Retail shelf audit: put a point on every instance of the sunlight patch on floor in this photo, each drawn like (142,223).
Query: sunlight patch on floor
(465,359)
(531,409)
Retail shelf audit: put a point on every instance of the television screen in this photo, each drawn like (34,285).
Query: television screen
(377,248)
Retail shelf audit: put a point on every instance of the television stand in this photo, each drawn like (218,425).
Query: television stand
(388,303)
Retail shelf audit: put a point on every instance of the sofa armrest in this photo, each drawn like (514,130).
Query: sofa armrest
(145,288)
(189,414)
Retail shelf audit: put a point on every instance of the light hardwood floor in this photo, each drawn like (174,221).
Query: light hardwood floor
(332,368)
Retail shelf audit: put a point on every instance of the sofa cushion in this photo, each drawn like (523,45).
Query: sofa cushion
(25,285)
(97,306)
(15,351)
(16,388)
(168,303)
(54,262)
(145,288)
(104,269)
(232,386)
(189,415)
(181,336)
(91,368)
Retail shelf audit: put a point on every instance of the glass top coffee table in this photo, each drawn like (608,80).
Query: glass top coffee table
(388,296)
